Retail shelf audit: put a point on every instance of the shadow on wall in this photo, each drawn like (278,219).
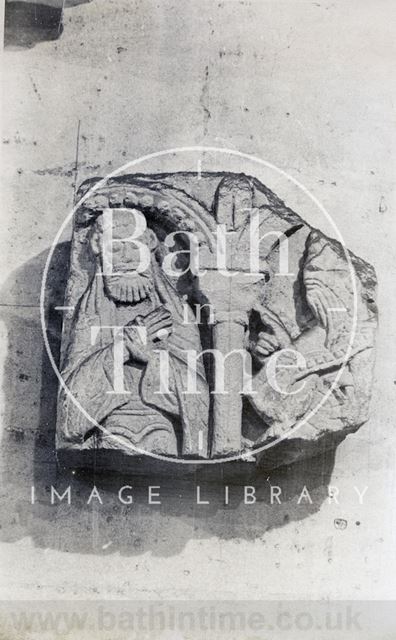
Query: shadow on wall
(28,22)
(28,458)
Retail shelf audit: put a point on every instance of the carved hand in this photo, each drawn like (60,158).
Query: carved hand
(265,345)
(269,341)
(158,326)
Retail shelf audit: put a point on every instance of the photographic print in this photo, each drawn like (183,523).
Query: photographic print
(197,336)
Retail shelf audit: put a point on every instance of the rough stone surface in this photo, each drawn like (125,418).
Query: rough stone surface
(303,318)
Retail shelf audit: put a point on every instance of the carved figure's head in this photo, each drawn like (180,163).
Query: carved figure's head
(120,258)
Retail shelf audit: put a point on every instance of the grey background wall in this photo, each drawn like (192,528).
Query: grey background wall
(304,85)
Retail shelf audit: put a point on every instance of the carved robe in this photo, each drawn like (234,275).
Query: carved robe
(143,418)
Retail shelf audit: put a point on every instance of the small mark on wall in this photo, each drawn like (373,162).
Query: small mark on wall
(382,207)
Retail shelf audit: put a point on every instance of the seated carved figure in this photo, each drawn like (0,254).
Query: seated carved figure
(135,415)
(327,396)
